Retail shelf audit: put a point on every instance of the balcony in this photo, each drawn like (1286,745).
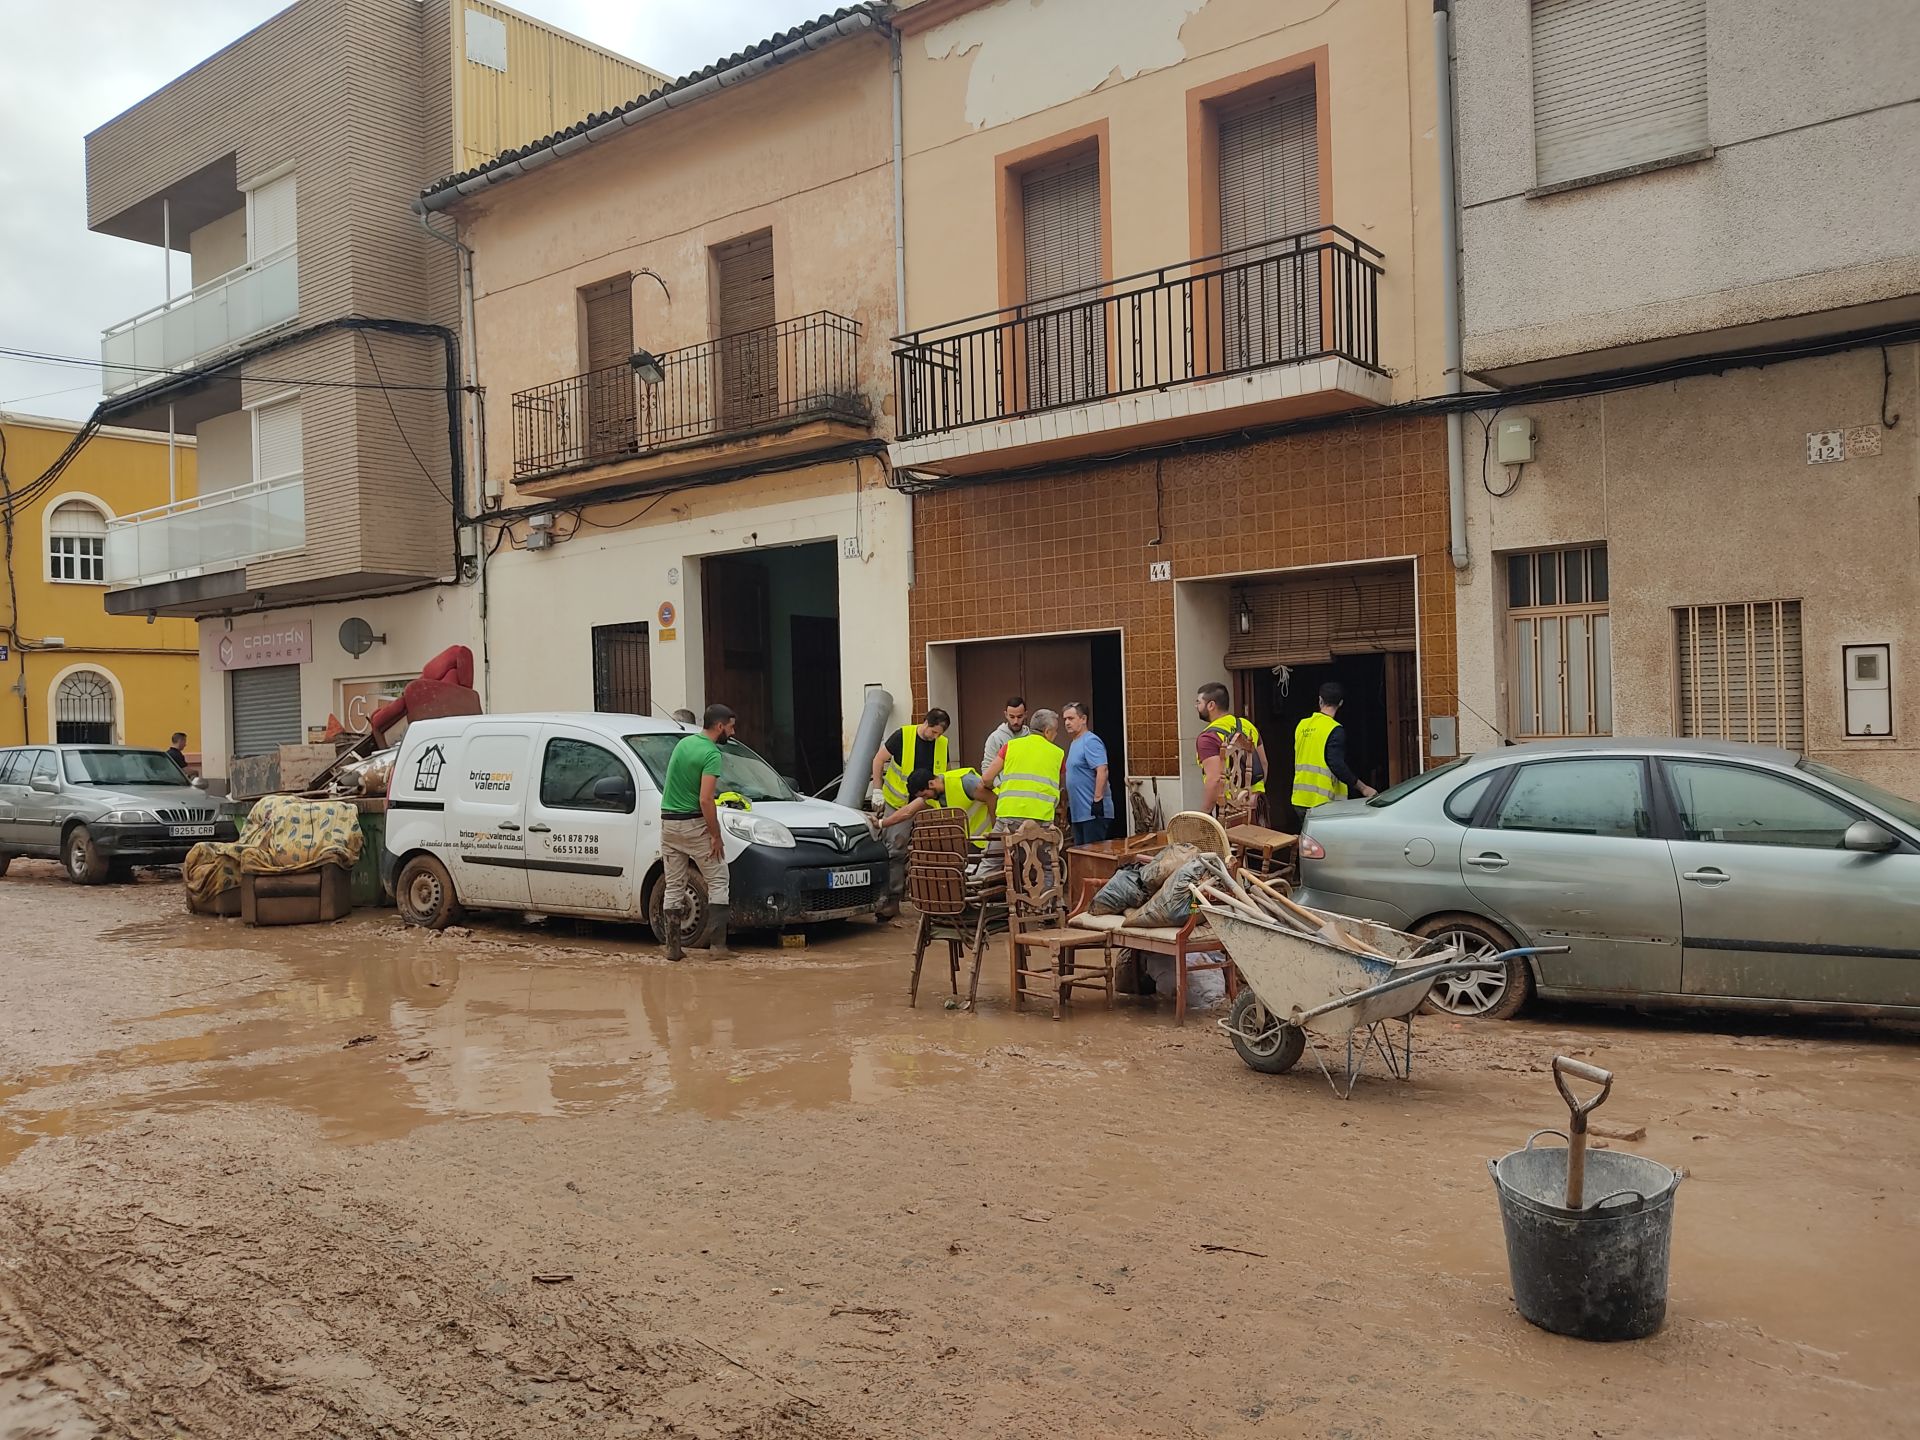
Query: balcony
(223,530)
(1283,330)
(782,389)
(208,321)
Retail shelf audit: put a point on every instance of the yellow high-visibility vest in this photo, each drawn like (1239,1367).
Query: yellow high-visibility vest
(1313,782)
(978,812)
(1029,784)
(899,767)
(1226,727)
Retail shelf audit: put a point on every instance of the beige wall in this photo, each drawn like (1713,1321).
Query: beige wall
(1800,209)
(1011,75)
(804,151)
(226,451)
(219,246)
(1702,493)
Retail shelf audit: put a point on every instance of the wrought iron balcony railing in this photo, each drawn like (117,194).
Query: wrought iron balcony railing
(806,368)
(1304,297)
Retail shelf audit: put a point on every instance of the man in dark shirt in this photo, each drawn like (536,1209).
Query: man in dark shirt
(177,749)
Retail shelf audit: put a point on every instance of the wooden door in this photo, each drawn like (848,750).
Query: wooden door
(1403,717)
(746,356)
(608,401)
(738,649)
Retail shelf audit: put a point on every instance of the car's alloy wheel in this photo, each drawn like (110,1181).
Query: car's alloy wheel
(85,864)
(1495,993)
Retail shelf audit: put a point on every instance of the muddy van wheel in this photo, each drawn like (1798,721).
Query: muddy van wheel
(84,862)
(423,894)
(694,917)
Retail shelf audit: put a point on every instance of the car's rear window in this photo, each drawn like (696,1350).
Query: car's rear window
(123,767)
(1395,793)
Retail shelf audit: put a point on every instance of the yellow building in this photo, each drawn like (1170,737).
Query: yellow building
(71,671)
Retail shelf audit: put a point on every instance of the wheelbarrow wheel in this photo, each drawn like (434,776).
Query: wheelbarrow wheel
(1274,1045)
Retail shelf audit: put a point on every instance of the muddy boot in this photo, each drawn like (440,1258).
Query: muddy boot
(716,936)
(673,920)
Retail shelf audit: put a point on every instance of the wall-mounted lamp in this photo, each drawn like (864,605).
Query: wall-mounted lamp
(646,367)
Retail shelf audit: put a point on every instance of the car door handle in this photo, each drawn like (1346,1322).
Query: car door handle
(1708,876)
(509,824)
(1488,861)
(539,829)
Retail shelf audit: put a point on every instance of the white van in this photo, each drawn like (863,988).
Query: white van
(559,814)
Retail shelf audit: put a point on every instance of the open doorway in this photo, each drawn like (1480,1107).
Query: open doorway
(974,679)
(772,643)
(1377,715)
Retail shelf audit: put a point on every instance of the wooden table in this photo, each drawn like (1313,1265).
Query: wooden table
(1099,861)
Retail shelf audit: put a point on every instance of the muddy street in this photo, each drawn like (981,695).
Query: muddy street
(357,1180)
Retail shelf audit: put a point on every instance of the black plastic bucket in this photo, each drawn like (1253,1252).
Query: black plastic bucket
(1597,1273)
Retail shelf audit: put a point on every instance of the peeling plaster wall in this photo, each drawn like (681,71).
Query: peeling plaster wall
(1030,55)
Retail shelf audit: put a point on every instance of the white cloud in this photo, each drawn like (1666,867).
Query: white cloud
(67,68)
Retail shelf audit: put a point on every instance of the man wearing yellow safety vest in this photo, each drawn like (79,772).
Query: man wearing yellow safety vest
(1320,769)
(962,790)
(910,748)
(1224,737)
(1026,777)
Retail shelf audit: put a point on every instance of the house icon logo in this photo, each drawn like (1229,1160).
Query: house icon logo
(426,775)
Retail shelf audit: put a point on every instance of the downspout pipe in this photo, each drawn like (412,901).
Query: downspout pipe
(900,248)
(1452,377)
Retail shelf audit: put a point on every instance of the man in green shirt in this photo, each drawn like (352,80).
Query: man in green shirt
(690,831)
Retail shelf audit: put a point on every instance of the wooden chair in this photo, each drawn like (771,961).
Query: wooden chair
(1036,897)
(955,904)
(1267,853)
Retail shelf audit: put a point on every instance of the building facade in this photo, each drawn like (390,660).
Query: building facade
(307,336)
(683,312)
(1171,264)
(1692,510)
(72,672)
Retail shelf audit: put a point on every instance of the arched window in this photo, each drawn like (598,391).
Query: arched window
(83,709)
(77,544)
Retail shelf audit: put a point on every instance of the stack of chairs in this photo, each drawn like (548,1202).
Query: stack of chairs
(960,902)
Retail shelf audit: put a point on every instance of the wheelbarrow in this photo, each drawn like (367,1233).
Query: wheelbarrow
(1307,992)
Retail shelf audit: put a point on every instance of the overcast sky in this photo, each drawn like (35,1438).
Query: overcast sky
(66,67)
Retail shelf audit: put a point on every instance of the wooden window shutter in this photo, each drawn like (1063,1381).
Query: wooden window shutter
(607,387)
(1616,83)
(1741,674)
(747,352)
(609,321)
(745,281)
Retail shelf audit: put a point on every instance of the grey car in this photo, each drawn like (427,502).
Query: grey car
(1676,873)
(101,809)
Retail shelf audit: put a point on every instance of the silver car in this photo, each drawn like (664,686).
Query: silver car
(1677,873)
(100,810)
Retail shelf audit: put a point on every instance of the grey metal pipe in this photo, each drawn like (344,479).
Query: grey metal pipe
(1453,378)
(867,736)
(900,252)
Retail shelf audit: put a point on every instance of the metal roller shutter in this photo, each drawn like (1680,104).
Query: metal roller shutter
(270,217)
(1270,189)
(1616,83)
(266,709)
(1309,621)
(1741,673)
(1066,347)
(277,440)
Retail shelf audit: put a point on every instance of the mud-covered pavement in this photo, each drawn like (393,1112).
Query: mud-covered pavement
(361,1181)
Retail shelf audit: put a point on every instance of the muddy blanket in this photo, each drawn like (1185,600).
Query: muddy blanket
(283,834)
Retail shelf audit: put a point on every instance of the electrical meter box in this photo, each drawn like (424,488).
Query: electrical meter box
(1516,440)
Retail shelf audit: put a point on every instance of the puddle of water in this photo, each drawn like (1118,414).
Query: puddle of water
(498,1026)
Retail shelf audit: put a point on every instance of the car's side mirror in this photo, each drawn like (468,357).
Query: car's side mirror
(198,782)
(1866,836)
(614,790)
(44,785)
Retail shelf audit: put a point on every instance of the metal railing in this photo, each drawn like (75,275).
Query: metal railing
(216,531)
(202,323)
(1303,297)
(806,368)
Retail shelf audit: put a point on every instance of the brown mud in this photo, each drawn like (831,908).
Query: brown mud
(357,1180)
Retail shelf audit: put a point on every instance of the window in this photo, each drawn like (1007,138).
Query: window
(1736,805)
(1739,672)
(1616,83)
(45,767)
(1066,340)
(622,669)
(1578,797)
(1406,787)
(742,771)
(277,439)
(123,767)
(1906,810)
(83,709)
(749,361)
(271,217)
(572,773)
(77,544)
(1560,666)
(1269,190)
(1463,802)
(8,760)
(606,318)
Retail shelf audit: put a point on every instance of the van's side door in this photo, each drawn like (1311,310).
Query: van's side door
(486,814)
(10,760)
(36,813)
(581,826)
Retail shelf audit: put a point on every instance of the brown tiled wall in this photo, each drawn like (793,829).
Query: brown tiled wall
(1071,551)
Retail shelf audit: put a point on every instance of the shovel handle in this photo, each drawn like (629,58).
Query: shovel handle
(1578,1109)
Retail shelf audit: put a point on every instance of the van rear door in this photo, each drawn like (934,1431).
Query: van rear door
(486,839)
(581,827)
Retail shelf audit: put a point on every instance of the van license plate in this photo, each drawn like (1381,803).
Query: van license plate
(849,879)
(190,832)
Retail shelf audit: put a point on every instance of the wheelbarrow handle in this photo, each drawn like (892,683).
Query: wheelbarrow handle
(1565,1065)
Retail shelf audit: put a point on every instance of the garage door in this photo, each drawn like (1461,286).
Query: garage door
(266,709)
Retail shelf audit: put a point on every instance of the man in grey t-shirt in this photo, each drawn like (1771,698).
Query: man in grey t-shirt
(1013,729)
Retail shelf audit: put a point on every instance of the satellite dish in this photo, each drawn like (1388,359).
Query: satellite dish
(357,637)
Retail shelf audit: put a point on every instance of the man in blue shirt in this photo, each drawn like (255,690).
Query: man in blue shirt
(1089,782)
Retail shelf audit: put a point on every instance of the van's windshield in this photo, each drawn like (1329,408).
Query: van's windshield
(742,771)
